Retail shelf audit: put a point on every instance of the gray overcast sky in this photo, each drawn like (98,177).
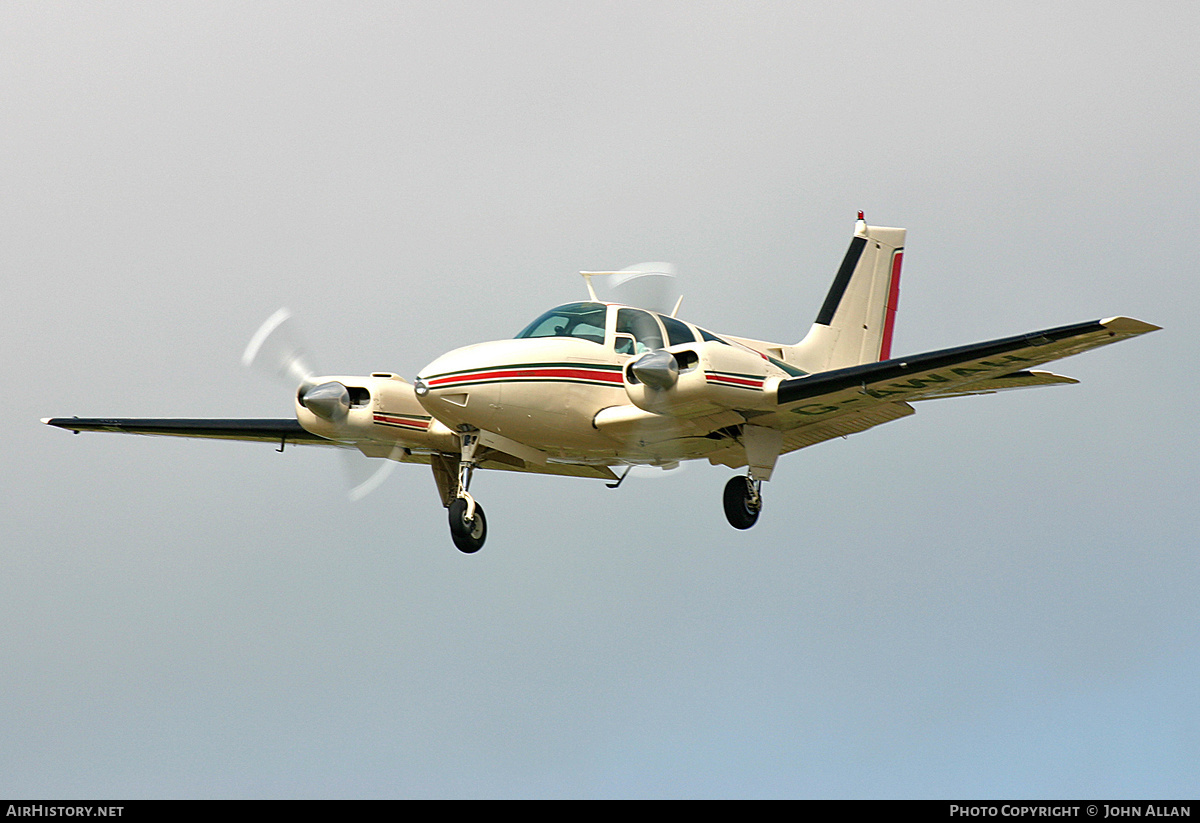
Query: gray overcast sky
(996,597)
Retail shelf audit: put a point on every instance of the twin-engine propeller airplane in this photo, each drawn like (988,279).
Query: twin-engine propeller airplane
(590,386)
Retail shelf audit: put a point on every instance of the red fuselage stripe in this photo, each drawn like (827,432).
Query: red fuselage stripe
(740,382)
(411,423)
(602,376)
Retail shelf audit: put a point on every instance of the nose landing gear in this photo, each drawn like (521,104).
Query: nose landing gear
(467,532)
(468,526)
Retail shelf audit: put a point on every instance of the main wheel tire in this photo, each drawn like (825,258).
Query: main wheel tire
(468,535)
(740,510)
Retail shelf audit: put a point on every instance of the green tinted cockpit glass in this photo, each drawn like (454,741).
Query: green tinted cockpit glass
(677,332)
(787,368)
(584,321)
(710,337)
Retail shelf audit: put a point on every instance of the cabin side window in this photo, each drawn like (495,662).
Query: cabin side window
(677,332)
(637,331)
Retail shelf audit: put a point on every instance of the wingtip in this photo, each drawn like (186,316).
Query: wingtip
(1128,325)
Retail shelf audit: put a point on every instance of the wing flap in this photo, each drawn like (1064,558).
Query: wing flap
(559,469)
(842,425)
(499,461)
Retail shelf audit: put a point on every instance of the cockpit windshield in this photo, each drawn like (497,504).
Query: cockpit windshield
(584,321)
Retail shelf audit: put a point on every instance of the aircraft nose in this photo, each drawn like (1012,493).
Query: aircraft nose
(455,371)
(452,389)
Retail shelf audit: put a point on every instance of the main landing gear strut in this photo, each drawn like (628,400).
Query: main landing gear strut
(468,526)
(743,501)
(743,495)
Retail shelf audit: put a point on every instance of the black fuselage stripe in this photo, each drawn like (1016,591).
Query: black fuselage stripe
(838,289)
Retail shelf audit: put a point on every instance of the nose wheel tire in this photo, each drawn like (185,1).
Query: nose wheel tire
(468,535)
(742,505)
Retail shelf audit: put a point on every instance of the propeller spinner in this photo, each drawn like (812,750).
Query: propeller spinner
(658,369)
(329,400)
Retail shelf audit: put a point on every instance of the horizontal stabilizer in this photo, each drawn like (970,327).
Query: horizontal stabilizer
(1016,380)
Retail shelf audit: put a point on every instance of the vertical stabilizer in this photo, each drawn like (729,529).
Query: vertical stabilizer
(856,320)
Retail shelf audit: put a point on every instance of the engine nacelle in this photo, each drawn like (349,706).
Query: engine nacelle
(381,407)
(696,379)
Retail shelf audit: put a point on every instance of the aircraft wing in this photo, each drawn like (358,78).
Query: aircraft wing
(289,431)
(977,368)
(265,430)
(836,403)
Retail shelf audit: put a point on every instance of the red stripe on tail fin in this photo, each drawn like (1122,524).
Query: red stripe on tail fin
(893,300)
